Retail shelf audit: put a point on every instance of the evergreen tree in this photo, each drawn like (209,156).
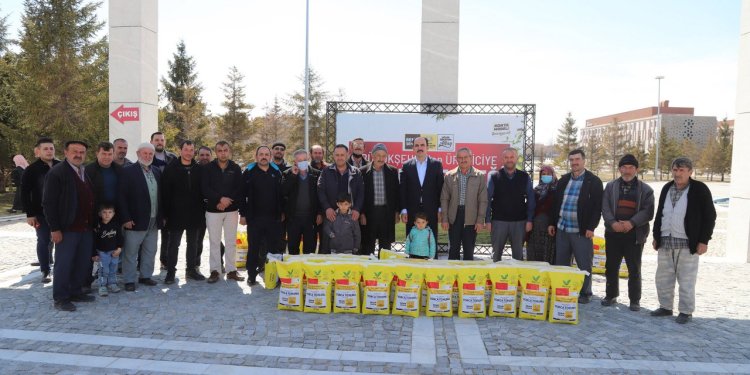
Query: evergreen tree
(725,148)
(62,91)
(316,110)
(185,112)
(234,126)
(273,126)
(595,154)
(668,151)
(567,139)
(614,145)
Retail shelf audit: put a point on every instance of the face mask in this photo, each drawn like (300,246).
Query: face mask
(302,165)
(546,179)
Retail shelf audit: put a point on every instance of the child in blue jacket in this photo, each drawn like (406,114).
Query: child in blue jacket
(420,243)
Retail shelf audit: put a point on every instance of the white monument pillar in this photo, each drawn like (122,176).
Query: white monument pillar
(133,77)
(439,70)
(738,231)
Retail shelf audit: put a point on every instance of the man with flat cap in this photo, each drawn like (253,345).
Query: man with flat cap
(381,206)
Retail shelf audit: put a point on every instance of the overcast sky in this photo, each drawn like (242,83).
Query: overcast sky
(592,58)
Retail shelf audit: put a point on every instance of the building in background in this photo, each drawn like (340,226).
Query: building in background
(639,126)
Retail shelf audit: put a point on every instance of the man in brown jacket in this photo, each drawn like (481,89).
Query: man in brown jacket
(463,202)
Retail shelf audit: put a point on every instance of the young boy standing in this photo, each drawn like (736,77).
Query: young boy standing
(419,242)
(108,245)
(343,233)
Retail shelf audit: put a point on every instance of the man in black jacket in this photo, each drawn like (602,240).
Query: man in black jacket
(262,210)
(68,202)
(299,188)
(32,186)
(577,211)
(684,224)
(162,157)
(381,208)
(335,179)
(223,190)
(183,210)
(421,182)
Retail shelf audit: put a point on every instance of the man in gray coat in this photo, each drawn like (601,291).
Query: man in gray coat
(627,208)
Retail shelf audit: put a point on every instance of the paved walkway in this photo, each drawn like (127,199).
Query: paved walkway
(195,328)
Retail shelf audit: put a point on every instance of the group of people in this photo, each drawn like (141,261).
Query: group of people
(112,210)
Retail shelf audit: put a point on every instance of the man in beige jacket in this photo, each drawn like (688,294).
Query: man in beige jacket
(463,203)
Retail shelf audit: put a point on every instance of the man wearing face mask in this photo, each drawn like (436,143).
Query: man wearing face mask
(140,210)
(357,160)
(299,188)
(627,208)
(262,209)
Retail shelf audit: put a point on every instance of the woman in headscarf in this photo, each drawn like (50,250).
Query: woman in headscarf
(541,246)
(15,177)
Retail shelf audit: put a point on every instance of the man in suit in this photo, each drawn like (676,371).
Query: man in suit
(381,202)
(421,184)
(139,209)
(68,203)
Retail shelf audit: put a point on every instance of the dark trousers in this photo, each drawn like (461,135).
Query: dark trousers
(571,245)
(201,234)
(164,247)
(301,228)
(264,236)
(378,222)
(621,245)
(72,259)
(432,222)
(460,235)
(43,244)
(191,249)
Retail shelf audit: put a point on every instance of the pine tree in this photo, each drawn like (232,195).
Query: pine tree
(63,92)
(4,41)
(273,126)
(234,126)
(185,112)
(725,148)
(668,151)
(567,139)
(316,110)
(613,145)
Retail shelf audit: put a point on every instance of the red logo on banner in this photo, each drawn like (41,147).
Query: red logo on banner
(501,286)
(312,281)
(562,292)
(123,113)
(433,284)
(469,286)
(530,286)
(371,283)
(342,282)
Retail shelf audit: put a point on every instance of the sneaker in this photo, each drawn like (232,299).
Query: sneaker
(45,277)
(147,281)
(662,312)
(113,288)
(584,299)
(234,276)
(103,291)
(635,306)
(65,306)
(214,277)
(609,301)
(683,318)
(130,287)
(194,275)
(83,298)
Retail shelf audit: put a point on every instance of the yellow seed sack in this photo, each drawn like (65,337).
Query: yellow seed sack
(318,292)
(390,254)
(472,282)
(439,285)
(377,288)
(408,290)
(504,291)
(290,281)
(565,286)
(346,277)
(534,291)
(623,269)
(271,274)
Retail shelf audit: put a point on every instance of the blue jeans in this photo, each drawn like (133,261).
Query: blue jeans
(43,244)
(107,268)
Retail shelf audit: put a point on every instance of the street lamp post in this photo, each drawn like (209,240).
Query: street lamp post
(307,75)
(658,127)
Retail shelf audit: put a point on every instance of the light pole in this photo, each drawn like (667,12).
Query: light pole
(658,126)
(307,75)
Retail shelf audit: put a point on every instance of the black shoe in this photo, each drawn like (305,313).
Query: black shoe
(35,264)
(169,279)
(45,277)
(251,281)
(65,306)
(163,267)
(130,287)
(194,275)
(584,299)
(86,290)
(147,281)
(662,312)
(607,301)
(635,306)
(83,298)
(683,318)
